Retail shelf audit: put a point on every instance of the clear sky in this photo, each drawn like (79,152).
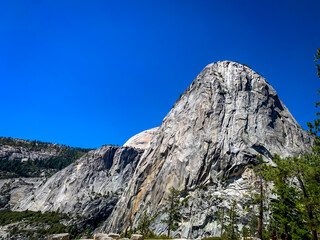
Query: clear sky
(88,73)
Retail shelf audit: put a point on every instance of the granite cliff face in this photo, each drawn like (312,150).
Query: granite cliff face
(89,187)
(228,116)
(11,149)
(12,191)
(141,140)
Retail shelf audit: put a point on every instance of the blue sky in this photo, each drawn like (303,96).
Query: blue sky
(88,73)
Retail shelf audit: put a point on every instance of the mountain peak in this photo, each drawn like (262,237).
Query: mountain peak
(226,118)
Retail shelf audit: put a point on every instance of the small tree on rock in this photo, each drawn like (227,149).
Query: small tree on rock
(231,226)
(144,224)
(173,210)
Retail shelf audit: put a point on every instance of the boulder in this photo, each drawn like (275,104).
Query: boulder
(102,236)
(114,235)
(61,236)
(136,237)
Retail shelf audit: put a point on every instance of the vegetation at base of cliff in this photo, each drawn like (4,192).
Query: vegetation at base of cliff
(8,216)
(65,155)
(36,225)
(297,184)
(173,209)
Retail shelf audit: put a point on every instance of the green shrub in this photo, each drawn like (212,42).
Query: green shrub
(46,223)
(33,168)
(204,187)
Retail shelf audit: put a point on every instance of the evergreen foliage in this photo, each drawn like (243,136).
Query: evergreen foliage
(315,126)
(144,224)
(260,170)
(297,185)
(317,57)
(173,210)
(34,168)
(37,146)
(253,224)
(43,224)
(231,226)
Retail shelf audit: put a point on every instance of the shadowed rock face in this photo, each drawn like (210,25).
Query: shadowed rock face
(12,191)
(227,116)
(89,187)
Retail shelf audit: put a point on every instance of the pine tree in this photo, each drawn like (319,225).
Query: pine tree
(144,224)
(297,184)
(245,232)
(260,170)
(221,219)
(317,57)
(231,226)
(253,224)
(315,126)
(173,210)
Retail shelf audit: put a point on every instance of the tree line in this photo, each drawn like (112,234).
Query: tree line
(35,168)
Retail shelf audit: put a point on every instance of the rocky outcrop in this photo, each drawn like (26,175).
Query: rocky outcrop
(19,149)
(89,187)
(12,191)
(23,153)
(61,236)
(141,140)
(227,117)
(102,236)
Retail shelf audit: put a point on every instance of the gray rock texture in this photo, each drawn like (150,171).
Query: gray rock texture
(89,187)
(136,237)
(61,236)
(102,236)
(12,191)
(141,140)
(23,153)
(227,116)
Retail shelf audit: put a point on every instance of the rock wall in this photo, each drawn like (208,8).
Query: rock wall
(12,152)
(89,187)
(227,116)
(141,140)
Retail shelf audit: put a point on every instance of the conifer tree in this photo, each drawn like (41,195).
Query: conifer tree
(231,226)
(144,224)
(297,184)
(260,170)
(173,210)
(221,219)
(315,126)
(317,57)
